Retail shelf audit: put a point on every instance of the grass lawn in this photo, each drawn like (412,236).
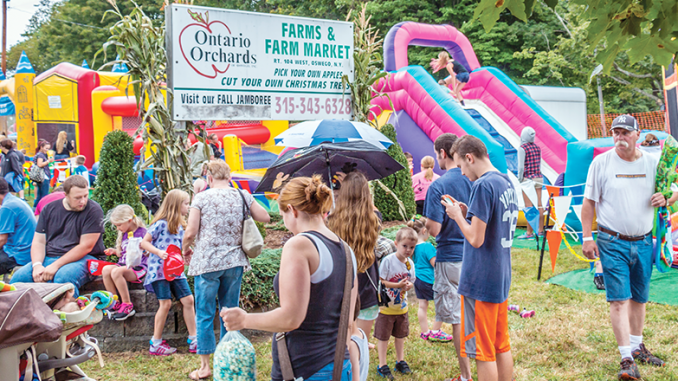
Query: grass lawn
(570,338)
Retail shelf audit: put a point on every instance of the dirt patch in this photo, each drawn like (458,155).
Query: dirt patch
(390,224)
(275,239)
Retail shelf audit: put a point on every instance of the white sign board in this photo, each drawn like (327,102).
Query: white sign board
(237,65)
(54,101)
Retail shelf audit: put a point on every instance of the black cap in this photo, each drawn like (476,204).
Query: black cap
(626,122)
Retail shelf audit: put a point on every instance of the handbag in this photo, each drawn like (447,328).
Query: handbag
(284,355)
(252,241)
(36,174)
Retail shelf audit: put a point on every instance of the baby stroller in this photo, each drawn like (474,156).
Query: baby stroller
(39,344)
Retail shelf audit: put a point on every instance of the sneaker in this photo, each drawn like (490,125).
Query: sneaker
(385,372)
(629,370)
(599,282)
(425,336)
(193,346)
(402,367)
(643,356)
(162,349)
(123,312)
(440,336)
(525,236)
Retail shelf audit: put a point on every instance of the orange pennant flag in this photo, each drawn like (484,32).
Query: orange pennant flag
(554,238)
(552,191)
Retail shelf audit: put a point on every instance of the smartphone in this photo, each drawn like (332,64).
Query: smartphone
(448,199)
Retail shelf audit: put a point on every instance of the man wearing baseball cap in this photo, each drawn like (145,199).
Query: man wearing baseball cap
(620,187)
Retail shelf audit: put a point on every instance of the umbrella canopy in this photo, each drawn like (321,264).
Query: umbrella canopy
(329,158)
(314,132)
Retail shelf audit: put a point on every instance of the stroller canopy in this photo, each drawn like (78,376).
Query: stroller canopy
(26,318)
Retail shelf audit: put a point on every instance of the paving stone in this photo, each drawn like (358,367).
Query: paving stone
(142,323)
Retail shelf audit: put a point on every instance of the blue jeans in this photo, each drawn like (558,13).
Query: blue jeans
(74,272)
(325,374)
(627,267)
(41,190)
(224,285)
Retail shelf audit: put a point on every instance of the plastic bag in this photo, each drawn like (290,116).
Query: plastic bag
(133,253)
(234,358)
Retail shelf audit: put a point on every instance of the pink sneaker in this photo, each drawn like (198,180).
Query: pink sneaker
(425,336)
(163,349)
(440,336)
(193,346)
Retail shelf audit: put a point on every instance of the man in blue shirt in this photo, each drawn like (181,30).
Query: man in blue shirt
(450,243)
(488,224)
(17,226)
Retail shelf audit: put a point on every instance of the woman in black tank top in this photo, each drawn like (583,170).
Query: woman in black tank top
(310,292)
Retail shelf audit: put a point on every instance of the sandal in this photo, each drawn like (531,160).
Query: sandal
(195,375)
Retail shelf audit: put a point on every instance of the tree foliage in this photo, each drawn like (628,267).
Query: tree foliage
(570,61)
(399,183)
(116,180)
(140,44)
(636,27)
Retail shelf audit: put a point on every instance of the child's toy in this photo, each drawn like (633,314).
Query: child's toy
(82,301)
(526,314)
(106,299)
(95,266)
(514,308)
(6,287)
(173,266)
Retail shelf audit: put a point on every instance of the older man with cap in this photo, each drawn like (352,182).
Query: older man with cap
(621,188)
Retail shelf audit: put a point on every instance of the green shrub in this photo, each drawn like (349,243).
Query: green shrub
(257,285)
(262,229)
(400,183)
(116,182)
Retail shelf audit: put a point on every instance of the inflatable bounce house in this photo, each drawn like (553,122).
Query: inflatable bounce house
(496,109)
(88,104)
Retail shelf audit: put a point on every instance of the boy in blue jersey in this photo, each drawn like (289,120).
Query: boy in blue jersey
(488,224)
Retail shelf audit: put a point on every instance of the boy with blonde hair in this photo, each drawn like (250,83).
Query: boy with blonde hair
(396,273)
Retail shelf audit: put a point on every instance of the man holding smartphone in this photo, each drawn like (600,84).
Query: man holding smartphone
(450,244)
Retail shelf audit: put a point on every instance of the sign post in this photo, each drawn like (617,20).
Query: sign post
(226,64)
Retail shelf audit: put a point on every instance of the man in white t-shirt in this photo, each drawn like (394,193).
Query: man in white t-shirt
(621,188)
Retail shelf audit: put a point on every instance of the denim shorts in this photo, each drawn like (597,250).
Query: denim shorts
(164,289)
(627,267)
(463,77)
(325,373)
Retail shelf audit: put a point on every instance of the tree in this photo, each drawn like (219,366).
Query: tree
(639,28)
(628,87)
(399,183)
(140,44)
(116,180)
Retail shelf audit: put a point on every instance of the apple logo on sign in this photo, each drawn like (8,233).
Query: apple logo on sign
(206,46)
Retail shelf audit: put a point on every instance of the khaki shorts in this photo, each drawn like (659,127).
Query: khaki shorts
(445,296)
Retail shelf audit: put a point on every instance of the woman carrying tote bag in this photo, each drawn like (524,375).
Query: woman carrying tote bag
(217,261)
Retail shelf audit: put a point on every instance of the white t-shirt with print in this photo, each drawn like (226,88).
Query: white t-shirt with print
(392,270)
(622,192)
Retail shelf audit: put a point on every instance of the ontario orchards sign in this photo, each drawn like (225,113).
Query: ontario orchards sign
(226,64)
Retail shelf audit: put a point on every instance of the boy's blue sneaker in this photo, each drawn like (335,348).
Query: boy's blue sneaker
(385,372)
(402,367)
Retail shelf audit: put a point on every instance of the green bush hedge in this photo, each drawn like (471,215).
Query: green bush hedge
(116,181)
(400,183)
(257,285)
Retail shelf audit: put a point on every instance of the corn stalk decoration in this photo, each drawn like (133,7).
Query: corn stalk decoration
(141,46)
(367,63)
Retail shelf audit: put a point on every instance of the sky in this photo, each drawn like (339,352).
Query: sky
(19,12)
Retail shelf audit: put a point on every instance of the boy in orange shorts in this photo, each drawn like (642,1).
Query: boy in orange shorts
(488,224)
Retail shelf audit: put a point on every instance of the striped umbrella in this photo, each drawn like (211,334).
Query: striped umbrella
(314,132)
